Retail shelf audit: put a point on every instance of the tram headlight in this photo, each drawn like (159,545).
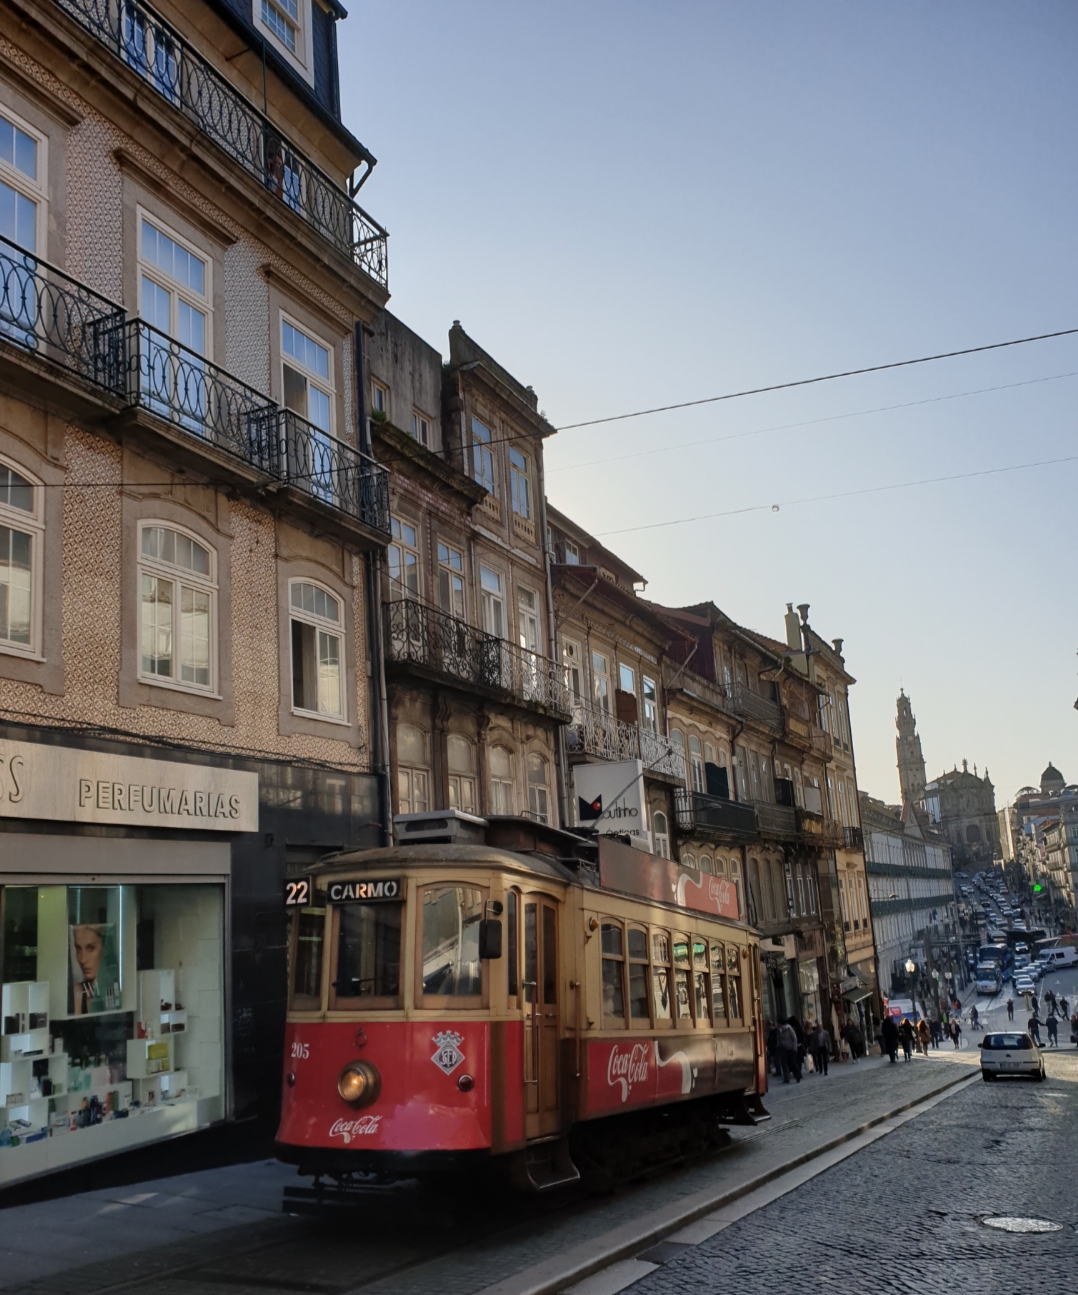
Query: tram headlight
(359,1083)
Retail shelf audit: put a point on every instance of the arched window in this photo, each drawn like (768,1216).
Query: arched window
(696,763)
(21,535)
(660,829)
(460,758)
(706,865)
(413,770)
(538,796)
(973,834)
(317,650)
(688,860)
(177,608)
(501,780)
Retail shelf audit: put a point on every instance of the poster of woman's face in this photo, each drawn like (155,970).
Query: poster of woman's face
(94,949)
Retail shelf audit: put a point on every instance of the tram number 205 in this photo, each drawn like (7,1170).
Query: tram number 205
(297,893)
(301,1050)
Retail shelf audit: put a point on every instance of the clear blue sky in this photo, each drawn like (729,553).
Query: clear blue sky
(631,204)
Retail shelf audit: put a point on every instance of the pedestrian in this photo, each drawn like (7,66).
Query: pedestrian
(936,1029)
(973,1016)
(855,1039)
(1010,1009)
(889,1038)
(924,1036)
(905,1031)
(1053,1029)
(952,1030)
(1050,999)
(791,1064)
(1064,1008)
(821,1048)
(802,1048)
(771,1044)
(1034,1026)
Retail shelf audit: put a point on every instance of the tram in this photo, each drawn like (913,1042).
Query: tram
(500,992)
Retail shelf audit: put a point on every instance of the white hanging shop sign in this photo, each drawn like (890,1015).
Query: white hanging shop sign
(60,782)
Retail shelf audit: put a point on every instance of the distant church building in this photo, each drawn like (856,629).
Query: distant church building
(911,763)
(963,807)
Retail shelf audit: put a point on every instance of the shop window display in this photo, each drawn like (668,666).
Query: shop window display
(112,1019)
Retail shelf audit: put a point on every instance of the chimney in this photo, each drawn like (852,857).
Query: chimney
(793,629)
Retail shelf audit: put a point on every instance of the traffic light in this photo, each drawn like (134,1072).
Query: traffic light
(1037,888)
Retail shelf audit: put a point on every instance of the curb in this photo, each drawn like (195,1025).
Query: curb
(643,1237)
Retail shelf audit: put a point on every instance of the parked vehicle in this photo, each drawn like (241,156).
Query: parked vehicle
(1010,1054)
(1055,959)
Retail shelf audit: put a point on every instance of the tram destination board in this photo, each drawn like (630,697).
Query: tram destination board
(298,891)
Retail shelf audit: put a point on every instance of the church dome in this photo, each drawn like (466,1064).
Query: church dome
(1052,780)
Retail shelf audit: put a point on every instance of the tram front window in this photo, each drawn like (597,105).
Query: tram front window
(368,954)
(309,926)
(451,966)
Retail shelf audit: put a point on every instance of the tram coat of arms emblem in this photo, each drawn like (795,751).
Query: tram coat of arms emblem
(449,1056)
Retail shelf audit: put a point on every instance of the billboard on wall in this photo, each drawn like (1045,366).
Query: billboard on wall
(610,797)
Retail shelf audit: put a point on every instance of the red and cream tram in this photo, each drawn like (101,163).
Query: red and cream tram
(523,996)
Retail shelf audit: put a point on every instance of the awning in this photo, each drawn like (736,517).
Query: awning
(856,995)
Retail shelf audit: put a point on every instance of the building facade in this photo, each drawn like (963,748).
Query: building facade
(189,518)
(961,806)
(911,762)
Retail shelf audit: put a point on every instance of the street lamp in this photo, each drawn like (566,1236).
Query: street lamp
(911,967)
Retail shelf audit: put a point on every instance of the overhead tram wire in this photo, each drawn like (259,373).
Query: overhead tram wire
(841,494)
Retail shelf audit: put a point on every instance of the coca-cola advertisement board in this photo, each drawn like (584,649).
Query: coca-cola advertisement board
(627,1073)
(635,872)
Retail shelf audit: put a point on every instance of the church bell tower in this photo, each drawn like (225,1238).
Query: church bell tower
(911,763)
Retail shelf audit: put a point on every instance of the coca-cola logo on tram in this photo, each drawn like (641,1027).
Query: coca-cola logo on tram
(625,1069)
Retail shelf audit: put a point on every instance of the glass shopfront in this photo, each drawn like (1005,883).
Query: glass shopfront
(112,1019)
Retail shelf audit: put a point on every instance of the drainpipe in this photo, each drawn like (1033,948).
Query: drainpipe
(378,704)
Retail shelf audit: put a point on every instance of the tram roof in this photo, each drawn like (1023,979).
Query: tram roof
(434,856)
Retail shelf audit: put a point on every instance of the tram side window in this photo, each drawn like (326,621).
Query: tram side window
(550,957)
(308,935)
(682,996)
(733,980)
(638,974)
(700,987)
(718,983)
(660,976)
(450,949)
(512,951)
(613,972)
(368,955)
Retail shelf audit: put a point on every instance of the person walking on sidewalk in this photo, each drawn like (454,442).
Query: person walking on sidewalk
(889,1038)
(1034,1026)
(821,1048)
(1050,999)
(905,1031)
(973,1016)
(1010,1009)
(791,1062)
(1064,1009)
(1053,1029)
(854,1039)
(924,1036)
(936,1030)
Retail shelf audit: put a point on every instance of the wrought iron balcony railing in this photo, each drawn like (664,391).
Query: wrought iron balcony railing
(775,820)
(714,816)
(148,45)
(446,645)
(853,838)
(46,312)
(596,732)
(747,703)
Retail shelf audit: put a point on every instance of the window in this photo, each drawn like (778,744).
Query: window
(380,401)
(733,982)
(650,717)
(490,583)
(307,937)
(600,681)
(450,957)
(20,187)
(696,764)
(403,559)
(682,973)
(688,860)
(501,780)
(627,679)
(637,944)
(538,796)
(661,833)
(482,459)
(282,18)
(528,620)
(368,955)
(512,941)
(613,973)
(178,612)
(307,382)
(421,428)
(460,759)
(174,297)
(317,639)
(718,984)
(570,553)
(701,988)
(450,580)
(843,814)
(706,865)
(571,661)
(660,976)
(519,485)
(412,770)
(21,537)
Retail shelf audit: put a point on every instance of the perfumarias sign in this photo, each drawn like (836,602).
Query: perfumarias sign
(59,782)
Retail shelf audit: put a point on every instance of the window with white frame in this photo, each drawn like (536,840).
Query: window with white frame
(460,759)
(21,537)
(413,770)
(22,186)
(379,399)
(177,583)
(285,20)
(627,679)
(660,830)
(574,669)
(492,588)
(538,795)
(501,780)
(570,553)
(421,428)
(600,681)
(174,289)
(317,633)
(696,764)
(650,697)
(482,458)
(307,376)
(528,627)
(519,484)
(451,580)
(402,557)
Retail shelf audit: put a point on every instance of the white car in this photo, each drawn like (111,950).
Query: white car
(1023,985)
(1010,1054)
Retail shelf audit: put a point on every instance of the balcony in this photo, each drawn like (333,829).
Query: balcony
(822,744)
(449,648)
(750,705)
(853,838)
(596,732)
(153,49)
(702,815)
(129,364)
(779,821)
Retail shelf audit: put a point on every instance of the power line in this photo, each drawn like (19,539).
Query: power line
(842,494)
(827,377)
(810,422)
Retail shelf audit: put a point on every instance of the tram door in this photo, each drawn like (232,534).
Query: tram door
(541,1021)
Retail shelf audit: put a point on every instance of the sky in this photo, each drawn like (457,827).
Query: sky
(631,205)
